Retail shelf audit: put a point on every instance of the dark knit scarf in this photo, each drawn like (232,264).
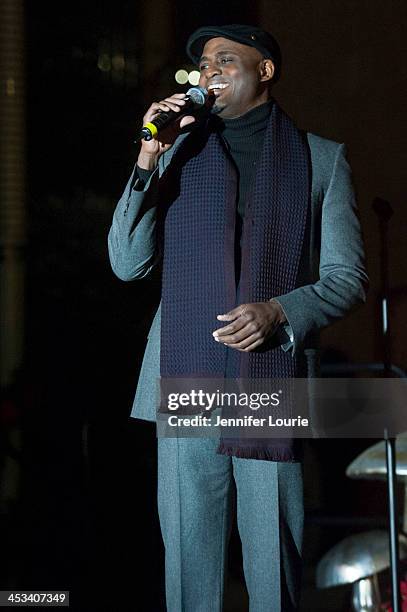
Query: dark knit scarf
(197,227)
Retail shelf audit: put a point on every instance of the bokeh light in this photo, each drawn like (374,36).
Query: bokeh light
(104,62)
(193,77)
(181,76)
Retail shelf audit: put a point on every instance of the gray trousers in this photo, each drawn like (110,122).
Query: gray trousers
(195,504)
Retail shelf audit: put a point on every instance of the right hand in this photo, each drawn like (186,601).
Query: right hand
(152,150)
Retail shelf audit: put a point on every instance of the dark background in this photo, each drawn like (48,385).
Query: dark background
(79,476)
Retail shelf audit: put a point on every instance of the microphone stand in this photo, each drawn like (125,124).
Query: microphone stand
(384,212)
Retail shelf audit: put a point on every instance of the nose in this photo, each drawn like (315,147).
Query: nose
(212,69)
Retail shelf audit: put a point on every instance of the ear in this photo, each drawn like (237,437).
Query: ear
(266,70)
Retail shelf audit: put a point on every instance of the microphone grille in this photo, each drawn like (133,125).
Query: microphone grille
(198,95)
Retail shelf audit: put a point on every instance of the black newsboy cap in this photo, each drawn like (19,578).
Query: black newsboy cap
(244,34)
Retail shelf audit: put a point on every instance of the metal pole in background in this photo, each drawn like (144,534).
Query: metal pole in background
(384,212)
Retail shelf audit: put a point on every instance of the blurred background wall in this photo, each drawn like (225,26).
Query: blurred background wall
(78,477)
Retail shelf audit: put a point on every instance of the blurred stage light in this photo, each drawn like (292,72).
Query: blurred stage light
(118,62)
(10,87)
(104,62)
(193,77)
(181,76)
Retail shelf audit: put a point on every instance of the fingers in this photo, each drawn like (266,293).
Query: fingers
(248,329)
(248,343)
(243,318)
(247,333)
(233,314)
(249,347)
(225,332)
(168,104)
(174,103)
(167,136)
(186,120)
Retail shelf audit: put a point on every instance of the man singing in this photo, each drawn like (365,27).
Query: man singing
(255,226)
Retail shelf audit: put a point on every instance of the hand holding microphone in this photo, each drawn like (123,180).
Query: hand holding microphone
(164,121)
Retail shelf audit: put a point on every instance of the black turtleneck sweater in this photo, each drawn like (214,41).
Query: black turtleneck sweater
(244,138)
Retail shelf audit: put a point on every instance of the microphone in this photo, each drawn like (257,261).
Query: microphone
(196,98)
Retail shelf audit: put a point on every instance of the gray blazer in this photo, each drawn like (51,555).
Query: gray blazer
(332,278)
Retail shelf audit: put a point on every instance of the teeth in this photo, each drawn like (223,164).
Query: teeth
(218,86)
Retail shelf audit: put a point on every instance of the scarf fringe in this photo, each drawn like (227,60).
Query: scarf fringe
(255,452)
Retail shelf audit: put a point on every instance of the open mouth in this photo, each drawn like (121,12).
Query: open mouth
(217,88)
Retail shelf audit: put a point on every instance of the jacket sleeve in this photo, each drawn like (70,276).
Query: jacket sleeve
(132,236)
(343,281)
(132,243)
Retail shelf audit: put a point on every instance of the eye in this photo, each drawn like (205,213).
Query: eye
(222,60)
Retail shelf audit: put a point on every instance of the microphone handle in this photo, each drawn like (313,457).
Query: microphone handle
(151,129)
